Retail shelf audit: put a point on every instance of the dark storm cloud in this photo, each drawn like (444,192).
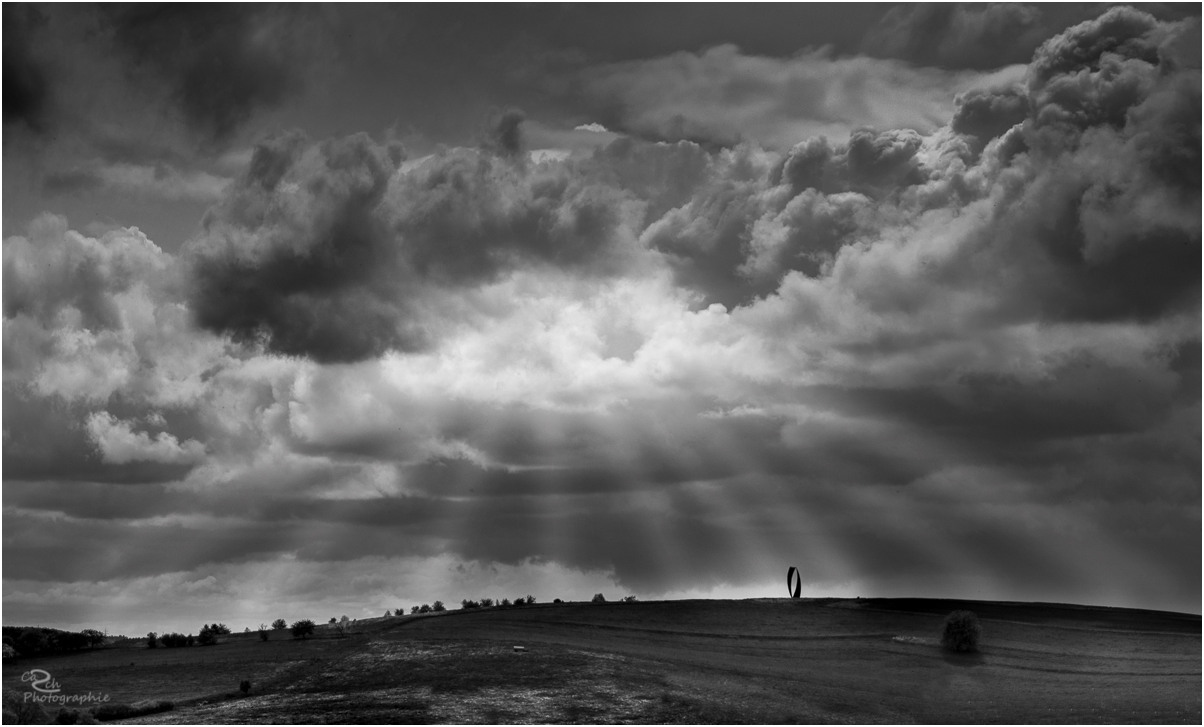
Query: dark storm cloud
(959,35)
(504,134)
(985,35)
(43,548)
(220,63)
(987,113)
(309,264)
(952,357)
(1115,124)
(26,76)
(71,181)
(98,500)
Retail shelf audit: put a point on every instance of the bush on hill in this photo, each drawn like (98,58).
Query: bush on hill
(961,632)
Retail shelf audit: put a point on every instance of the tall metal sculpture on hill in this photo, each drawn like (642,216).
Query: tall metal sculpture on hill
(794,582)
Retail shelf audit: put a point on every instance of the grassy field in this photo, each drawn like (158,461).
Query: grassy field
(753,661)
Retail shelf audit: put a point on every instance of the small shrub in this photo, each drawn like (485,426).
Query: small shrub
(628,599)
(598,598)
(279,624)
(557,600)
(961,632)
(467,604)
(263,634)
(152,640)
(486,603)
(244,686)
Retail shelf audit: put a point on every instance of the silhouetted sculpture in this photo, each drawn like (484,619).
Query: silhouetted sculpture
(794,582)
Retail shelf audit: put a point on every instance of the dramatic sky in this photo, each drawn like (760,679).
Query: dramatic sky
(319,310)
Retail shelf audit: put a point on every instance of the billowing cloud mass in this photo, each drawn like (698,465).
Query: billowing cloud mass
(946,346)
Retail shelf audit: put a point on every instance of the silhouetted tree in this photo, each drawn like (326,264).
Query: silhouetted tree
(95,638)
(598,598)
(152,640)
(438,606)
(303,628)
(279,624)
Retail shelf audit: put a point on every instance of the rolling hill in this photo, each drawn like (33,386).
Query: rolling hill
(751,661)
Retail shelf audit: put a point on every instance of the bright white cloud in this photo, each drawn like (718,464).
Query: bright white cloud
(119,443)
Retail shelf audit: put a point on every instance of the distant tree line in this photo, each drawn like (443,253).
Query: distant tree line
(38,640)
(504,603)
(207,637)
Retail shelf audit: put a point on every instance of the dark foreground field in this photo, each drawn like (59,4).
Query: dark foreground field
(754,661)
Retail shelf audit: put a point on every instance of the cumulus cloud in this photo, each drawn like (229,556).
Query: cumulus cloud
(85,318)
(984,35)
(326,250)
(119,443)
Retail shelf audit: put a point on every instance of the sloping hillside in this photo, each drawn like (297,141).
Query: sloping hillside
(756,661)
